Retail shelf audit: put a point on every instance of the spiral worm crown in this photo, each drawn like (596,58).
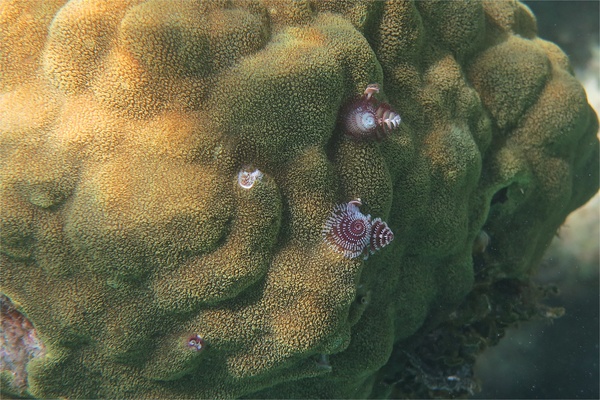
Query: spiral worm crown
(367,118)
(350,232)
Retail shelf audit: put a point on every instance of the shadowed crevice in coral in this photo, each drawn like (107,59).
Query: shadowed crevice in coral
(500,197)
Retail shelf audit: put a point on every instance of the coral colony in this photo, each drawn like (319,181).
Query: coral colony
(131,203)
(351,233)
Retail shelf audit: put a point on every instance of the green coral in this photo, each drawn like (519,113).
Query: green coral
(124,231)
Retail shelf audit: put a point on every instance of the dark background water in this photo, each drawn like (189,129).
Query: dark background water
(573,25)
(559,359)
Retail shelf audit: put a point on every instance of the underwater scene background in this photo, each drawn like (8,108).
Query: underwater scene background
(560,359)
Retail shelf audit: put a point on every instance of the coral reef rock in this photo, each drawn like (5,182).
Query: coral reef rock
(124,232)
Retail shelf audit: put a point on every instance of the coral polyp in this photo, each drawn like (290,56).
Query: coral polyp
(351,233)
(367,118)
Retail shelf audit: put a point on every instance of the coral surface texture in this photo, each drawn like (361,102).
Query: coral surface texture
(167,168)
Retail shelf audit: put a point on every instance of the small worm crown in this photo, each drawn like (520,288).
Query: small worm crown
(196,343)
(368,118)
(248,177)
(19,344)
(351,233)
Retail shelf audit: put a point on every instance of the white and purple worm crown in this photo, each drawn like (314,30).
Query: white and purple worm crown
(248,176)
(368,118)
(351,233)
